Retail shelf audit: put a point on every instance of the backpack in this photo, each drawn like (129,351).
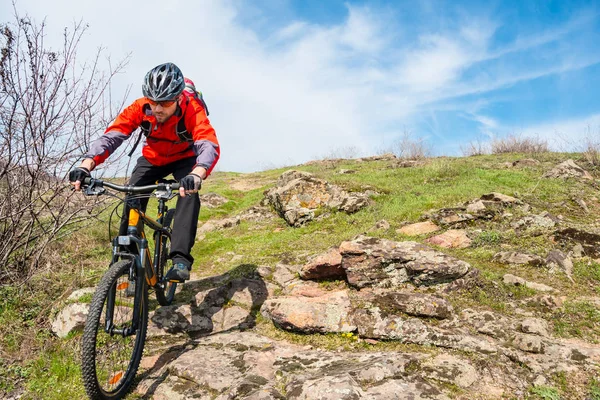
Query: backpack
(181,130)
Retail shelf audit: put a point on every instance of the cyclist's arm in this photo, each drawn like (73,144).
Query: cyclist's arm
(206,145)
(120,130)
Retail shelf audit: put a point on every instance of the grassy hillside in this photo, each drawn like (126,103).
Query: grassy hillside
(38,365)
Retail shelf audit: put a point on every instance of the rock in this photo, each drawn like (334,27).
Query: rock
(257,214)
(382,225)
(450,216)
(283,275)
(353,202)
(215,225)
(557,260)
(578,251)
(299,194)
(420,228)
(379,262)
(77,294)
(488,323)
(450,369)
(588,240)
(568,169)
(526,162)
(325,266)
(535,326)
(325,388)
(405,390)
(501,198)
(528,343)
(543,220)
(547,301)
(212,200)
(583,206)
(406,164)
(416,304)
(476,207)
(381,157)
(515,258)
(376,324)
(453,238)
(518,281)
(346,171)
(328,313)
(69,319)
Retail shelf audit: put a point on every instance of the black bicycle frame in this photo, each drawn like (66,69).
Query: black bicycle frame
(144,271)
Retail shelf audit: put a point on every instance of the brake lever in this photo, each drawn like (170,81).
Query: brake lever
(93,190)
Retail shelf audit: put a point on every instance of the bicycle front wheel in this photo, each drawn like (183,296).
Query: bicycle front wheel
(110,357)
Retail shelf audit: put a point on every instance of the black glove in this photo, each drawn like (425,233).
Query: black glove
(79,174)
(191,182)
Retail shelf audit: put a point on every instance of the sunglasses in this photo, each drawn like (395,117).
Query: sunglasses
(164,103)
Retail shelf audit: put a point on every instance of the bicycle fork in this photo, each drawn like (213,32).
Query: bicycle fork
(136,274)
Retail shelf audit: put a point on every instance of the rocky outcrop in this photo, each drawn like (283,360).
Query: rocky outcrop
(568,169)
(298,196)
(384,263)
(419,228)
(322,314)
(212,200)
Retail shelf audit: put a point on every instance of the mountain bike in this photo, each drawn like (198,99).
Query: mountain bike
(115,329)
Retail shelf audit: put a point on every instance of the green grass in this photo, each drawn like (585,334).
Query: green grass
(594,389)
(578,319)
(545,393)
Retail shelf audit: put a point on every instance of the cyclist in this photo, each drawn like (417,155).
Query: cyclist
(179,140)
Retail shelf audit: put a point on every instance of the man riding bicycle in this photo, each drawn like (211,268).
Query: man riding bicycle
(179,141)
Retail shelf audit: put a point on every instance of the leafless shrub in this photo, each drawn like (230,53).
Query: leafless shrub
(518,144)
(592,152)
(476,148)
(407,147)
(50,106)
(342,152)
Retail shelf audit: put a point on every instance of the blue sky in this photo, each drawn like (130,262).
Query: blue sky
(289,81)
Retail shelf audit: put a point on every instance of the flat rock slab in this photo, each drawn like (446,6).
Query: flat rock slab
(452,239)
(510,279)
(244,365)
(327,313)
(384,263)
(420,228)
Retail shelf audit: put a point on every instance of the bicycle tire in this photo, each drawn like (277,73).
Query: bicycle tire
(90,353)
(165,295)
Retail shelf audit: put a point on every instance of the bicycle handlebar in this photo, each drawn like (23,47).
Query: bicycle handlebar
(128,189)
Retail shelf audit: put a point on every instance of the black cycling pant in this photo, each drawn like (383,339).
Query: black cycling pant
(187,208)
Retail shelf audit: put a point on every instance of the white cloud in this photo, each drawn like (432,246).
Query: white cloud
(303,89)
(566,135)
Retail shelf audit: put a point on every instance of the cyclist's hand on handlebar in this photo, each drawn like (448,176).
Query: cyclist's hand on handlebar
(190,184)
(77,176)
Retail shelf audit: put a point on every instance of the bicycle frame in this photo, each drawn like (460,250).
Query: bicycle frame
(144,268)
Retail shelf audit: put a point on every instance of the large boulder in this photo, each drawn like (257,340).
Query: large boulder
(376,262)
(326,313)
(568,169)
(299,195)
(69,319)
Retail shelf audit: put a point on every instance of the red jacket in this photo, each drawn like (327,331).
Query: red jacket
(163,145)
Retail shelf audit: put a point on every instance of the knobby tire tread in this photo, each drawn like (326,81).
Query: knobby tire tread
(88,345)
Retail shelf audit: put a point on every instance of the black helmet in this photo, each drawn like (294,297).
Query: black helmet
(163,82)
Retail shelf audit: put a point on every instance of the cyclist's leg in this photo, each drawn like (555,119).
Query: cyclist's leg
(186,217)
(144,173)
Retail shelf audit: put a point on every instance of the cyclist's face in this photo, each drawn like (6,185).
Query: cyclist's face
(162,112)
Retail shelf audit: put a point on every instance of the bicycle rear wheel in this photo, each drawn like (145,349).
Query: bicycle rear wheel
(109,361)
(165,293)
